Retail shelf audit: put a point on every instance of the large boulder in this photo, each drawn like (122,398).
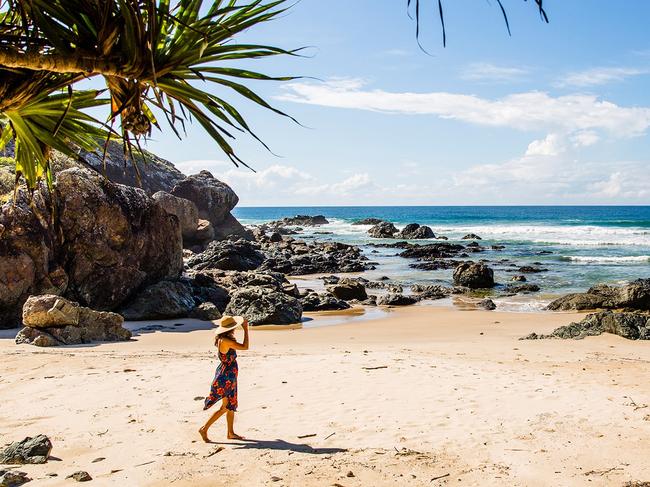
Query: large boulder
(28,451)
(473,275)
(186,212)
(634,295)
(163,300)
(51,320)
(264,305)
(383,230)
(634,326)
(109,241)
(228,255)
(348,289)
(214,200)
(414,231)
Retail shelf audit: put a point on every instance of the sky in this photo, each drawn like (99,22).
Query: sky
(556,114)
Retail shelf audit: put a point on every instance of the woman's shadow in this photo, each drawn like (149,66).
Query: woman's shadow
(254,444)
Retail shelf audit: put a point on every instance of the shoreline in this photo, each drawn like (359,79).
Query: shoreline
(424,392)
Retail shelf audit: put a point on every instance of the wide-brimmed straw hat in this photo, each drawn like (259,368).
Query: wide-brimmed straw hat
(228,323)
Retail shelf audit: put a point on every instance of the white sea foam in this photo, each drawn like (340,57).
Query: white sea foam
(594,259)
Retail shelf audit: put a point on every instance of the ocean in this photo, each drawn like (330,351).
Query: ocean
(579,245)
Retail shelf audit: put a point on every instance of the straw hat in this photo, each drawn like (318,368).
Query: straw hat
(228,323)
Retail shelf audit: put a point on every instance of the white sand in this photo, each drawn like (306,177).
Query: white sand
(460,396)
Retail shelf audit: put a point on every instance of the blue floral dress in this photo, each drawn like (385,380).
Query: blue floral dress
(224,384)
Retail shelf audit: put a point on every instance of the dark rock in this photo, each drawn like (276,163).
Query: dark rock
(415,231)
(519,278)
(521,288)
(206,312)
(348,289)
(633,326)
(473,275)
(302,220)
(163,300)
(368,221)
(275,237)
(487,304)
(80,476)
(263,305)
(313,301)
(229,255)
(529,269)
(471,236)
(214,200)
(28,451)
(430,291)
(383,230)
(634,295)
(431,251)
(434,265)
(13,478)
(497,247)
(394,299)
(51,320)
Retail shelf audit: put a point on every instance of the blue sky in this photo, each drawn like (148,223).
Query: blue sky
(558,113)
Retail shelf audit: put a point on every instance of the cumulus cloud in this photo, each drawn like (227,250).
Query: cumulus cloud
(492,72)
(599,76)
(345,187)
(523,111)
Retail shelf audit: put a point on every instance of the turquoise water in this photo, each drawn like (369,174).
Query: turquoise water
(588,244)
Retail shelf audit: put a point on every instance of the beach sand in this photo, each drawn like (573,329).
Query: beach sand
(423,393)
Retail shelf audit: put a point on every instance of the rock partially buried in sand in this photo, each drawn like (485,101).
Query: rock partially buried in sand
(348,289)
(487,304)
(396,299)
(52,320)
(473,275)
(80,476)
(634,295)
(28,451)
(13,478)
(633,326)
(314,301)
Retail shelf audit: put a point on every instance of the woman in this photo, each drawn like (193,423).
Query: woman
(224,385)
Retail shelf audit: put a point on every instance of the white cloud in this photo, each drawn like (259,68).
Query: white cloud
(524,111)
(552,145)
(599,76)
(492,72)
(584,138)
(345,187)
(631,184)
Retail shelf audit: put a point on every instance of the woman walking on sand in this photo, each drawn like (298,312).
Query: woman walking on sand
(224,385)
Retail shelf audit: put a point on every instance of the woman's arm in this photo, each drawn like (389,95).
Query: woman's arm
(235,344)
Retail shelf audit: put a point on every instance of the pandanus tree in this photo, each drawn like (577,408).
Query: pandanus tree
(154,56)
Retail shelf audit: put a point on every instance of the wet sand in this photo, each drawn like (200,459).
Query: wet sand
(418,394)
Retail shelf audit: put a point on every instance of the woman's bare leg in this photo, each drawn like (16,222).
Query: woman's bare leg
(230,419)
(203,431)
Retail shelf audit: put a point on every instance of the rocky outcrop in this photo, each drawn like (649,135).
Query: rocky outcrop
(195,231)
(431,291)
(396,299)
(163,300)
(28,451)
(473,275)
(634,326)
(228,255)
(297,257)
(368,221)
(530,269)
(109,241)
(13,478)
(348,289)
(521,288)
(383,230)
(471,236)
(486,304)
(432,251)
(301,221)
(264,305)
(414,231)
(206,311)
(313,301)
(634,295)
(51,320)
(214,200)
